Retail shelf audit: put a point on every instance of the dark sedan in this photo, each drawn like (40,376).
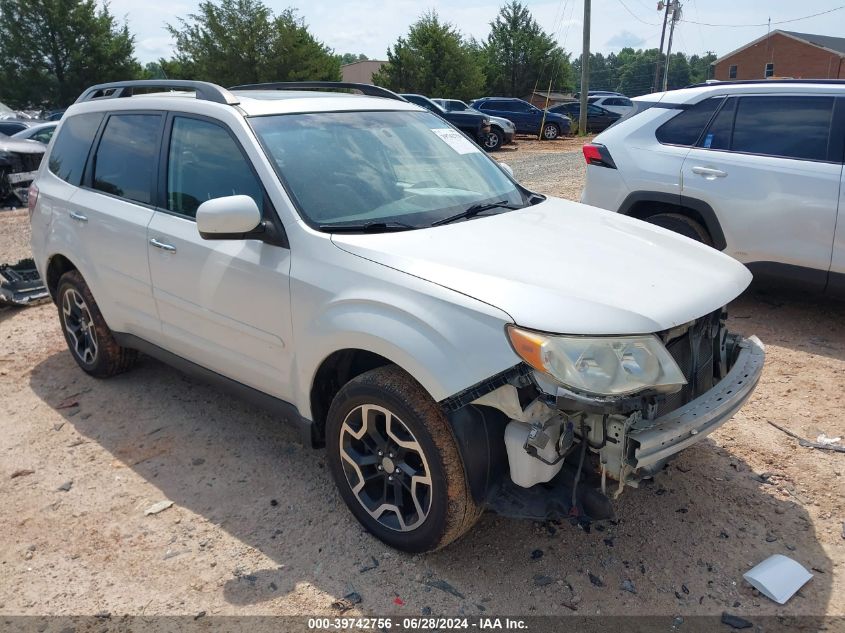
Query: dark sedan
(598,118)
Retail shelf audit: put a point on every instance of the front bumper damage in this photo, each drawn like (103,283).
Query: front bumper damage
(624,440)
(652,443)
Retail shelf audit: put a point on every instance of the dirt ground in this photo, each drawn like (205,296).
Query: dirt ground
(256,526)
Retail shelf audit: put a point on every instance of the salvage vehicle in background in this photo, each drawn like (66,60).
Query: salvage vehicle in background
(598,118)
(457,342)
(502,130)
(19,160)
(527,118)
(752,168)
(41,132)
(474,124)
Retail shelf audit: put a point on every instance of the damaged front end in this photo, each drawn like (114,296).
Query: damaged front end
(568,450)
(19,161)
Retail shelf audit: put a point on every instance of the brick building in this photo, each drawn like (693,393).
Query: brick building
(784,54)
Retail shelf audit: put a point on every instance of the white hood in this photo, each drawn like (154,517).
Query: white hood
(566,268)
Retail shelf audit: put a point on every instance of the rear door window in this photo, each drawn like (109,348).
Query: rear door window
(786,126)
(719,133)
(126,158)
(686,128)
(70,151)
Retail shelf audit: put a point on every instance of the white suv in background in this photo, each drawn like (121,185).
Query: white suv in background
(754,169)
(614,103)
(457,342)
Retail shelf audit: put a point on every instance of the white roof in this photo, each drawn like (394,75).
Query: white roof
(695,94)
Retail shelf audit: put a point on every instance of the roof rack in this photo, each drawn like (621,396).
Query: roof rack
(205,91)
(367,89)
(735,82)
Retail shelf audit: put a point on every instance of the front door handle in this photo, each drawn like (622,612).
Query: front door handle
(709,172)
(78,216)
(165,247)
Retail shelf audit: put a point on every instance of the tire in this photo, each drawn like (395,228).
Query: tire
(89,339)
(683,225)
(494,139)
(550,131)
(434,510)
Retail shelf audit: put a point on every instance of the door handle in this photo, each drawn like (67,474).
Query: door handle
(78,216)
(165,247)
(709,172)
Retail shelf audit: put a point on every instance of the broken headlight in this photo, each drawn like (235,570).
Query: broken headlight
(600,365)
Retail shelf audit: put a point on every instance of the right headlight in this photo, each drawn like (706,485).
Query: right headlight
(600,365)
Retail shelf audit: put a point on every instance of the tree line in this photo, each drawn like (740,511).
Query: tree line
(51,50)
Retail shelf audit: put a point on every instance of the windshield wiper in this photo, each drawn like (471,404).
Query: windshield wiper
(376,226)
(474,210)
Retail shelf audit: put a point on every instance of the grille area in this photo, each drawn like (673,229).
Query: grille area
(26,162)
(695,352)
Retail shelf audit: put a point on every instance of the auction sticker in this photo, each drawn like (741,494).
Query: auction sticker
(456,140)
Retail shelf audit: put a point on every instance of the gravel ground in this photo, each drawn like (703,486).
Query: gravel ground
(256,526)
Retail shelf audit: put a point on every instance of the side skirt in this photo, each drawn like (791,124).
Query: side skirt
(285,410)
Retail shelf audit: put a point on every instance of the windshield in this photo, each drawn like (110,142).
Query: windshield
(362,168)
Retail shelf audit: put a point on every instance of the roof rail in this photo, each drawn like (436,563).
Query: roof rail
(367,89)
(734,82)
(205,91)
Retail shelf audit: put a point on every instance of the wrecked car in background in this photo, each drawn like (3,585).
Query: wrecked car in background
(19,161)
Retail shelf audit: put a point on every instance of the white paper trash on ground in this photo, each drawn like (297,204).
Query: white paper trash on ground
(778,577)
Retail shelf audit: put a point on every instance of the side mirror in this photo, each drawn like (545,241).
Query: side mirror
(507,169)
(227,218)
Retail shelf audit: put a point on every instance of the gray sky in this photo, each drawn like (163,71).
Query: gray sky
(370,26)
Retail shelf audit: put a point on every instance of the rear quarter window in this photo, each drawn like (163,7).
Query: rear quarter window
(686,127)
(72,145)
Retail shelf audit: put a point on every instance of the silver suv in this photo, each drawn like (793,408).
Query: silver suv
(457,342)
(753,168)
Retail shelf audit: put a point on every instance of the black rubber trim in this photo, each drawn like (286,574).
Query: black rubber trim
(283,409)
(811,279)
(706,212)
(463,398)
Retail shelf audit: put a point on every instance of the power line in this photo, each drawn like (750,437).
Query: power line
(806,17)
(635,16)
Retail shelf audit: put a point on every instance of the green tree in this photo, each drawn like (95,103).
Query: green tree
(699,67)
(434,60)
(520,55)
(242,41)
(351,58)
(51,50)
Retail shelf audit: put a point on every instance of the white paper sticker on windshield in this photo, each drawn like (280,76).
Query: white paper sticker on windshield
(456,140)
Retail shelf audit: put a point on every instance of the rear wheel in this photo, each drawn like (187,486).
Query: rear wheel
(683,225)
(551,131)
(494,140)
(396,464)
(89,339)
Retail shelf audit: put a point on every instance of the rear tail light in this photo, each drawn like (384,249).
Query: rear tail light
(597,154)
(32,198)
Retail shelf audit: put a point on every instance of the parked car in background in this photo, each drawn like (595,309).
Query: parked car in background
(597,93)
(474,124)
(19,160)
(502,130)
(54,115)
(456,341)
(13,126)
(41,132)
(598,118)
(754,169)
(527,118)
(618,104)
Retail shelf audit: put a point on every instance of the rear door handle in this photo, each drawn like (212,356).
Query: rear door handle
(78,216)
(165,247)
(709,172)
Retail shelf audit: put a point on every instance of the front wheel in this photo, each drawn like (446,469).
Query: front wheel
(551,131)
(396,464)
(494,140)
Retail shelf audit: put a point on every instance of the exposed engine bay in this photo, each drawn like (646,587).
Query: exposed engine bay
(19,161)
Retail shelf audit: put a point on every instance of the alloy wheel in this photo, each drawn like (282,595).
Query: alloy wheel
(385,467)
(79,326)
(492,141)
(550,132)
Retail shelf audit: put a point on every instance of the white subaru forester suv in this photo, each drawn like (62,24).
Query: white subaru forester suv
(753,168)
(457,342)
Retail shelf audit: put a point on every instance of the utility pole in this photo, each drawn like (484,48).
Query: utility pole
(676,15)
(585,71)
(656,81)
